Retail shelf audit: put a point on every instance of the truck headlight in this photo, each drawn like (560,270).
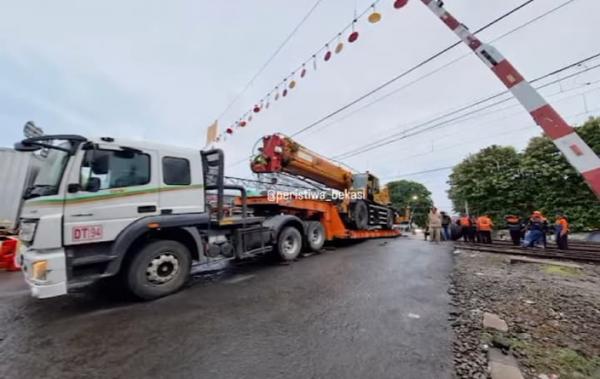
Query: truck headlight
(27,231)
(39,269)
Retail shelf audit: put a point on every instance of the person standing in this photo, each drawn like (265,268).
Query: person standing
(514,225)
(465,227)
(446,221)
(473,232)
(561,230)
(484,226)
(435,224)
(536,229)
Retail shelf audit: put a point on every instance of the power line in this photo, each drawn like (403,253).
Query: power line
(403,134)
(410,70)
(425,76)
(433,57)
(275,53)
(450,167)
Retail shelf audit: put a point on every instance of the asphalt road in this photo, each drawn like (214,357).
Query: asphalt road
(377,309)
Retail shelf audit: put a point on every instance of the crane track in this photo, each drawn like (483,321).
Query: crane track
(579,253)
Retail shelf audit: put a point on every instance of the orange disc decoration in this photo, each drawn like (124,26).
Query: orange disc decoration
(400,3)
(374,17)
(353,37)
(339,48)
(327,56)
(292,84)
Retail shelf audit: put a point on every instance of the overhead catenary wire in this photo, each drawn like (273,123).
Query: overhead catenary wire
(394,79)
(409,71)
(445,168)
(270,59)
(422,127)
(441,68)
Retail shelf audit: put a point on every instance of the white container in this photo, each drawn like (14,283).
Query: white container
(14,172)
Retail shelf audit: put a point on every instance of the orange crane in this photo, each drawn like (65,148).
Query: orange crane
(363,205)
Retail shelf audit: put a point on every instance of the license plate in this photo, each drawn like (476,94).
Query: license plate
(87,233)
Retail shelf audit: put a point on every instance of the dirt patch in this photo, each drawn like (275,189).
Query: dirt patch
(553,315)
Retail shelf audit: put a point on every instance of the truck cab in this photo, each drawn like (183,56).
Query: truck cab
(106,207)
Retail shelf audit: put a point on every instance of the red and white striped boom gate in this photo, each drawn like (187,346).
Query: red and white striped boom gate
(577,152)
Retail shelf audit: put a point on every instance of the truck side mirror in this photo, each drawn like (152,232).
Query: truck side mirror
(73,188)
(93,185)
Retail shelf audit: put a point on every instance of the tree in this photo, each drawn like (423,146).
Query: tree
(498,180)
(413,195)
(489,182)
(554,185)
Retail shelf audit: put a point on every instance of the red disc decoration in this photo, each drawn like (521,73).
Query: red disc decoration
(353,37)
(243,123)
(327,56)
(284,93)
(256,109)
(229,131)
(400,3)
(303,72)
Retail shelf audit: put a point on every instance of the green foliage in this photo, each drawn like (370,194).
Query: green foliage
(489,182)
(402,195)
(556,184)
(498,180)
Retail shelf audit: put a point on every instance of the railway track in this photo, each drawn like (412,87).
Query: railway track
(578,251)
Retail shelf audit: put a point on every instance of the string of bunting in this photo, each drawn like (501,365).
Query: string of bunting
(333,47)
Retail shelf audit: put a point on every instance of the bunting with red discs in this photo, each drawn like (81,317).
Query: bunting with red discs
(327,52)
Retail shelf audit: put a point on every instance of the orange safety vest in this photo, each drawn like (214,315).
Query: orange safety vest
(484,224)
(464,221)
(563,223)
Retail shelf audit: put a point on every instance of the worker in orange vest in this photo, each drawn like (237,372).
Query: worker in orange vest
(484,226)
(561,229)
(465,223)
(515,226)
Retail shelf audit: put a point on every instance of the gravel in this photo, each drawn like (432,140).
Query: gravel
(553,315)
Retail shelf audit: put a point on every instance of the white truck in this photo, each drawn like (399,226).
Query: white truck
(136,211)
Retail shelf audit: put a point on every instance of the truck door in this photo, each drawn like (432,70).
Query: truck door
(117,185)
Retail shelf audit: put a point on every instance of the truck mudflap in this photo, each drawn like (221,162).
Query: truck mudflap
(45,273)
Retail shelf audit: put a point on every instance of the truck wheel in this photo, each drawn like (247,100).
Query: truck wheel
(289,243)
(315,235)
(158,269)
(360,214)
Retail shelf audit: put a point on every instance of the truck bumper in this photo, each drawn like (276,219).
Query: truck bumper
(45,272)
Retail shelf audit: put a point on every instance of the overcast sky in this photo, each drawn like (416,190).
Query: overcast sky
(163,71)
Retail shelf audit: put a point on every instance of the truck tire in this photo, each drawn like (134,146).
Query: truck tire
(360,214)
(158,269)
(289,243)
(315,235)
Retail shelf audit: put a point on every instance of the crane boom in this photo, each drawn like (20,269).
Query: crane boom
(281,154)
(575,150)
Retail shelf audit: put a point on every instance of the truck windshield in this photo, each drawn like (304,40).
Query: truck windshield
(359,181)
(47,168)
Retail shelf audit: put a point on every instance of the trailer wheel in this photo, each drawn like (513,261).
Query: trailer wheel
(289,243)
(158,269)
(360,214)
(315,235)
